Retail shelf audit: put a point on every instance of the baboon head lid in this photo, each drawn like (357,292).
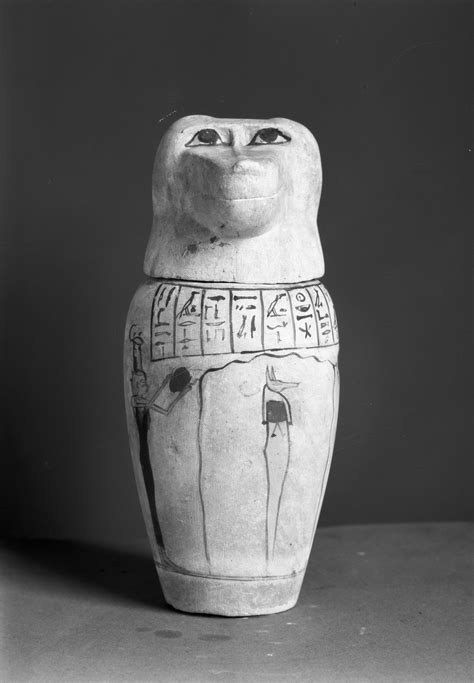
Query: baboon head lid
(236,200)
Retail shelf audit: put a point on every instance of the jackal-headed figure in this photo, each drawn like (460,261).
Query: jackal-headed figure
(277,417)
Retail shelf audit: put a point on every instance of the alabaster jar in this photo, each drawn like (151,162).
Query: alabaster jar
(231,378)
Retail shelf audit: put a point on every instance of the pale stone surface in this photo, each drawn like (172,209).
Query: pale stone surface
(231,377)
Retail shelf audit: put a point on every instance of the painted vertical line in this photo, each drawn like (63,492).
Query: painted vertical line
(201,328)
(315,317)
(287,292)
(201,497)
(281,492)
(262,321)
(142,420)
(175,322)
(231,327)
(316,321)
(267,539)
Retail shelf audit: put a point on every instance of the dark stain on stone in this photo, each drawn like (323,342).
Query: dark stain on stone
(166,633)
(223,244)
(213,239)
(221,227)
(143,629)
(192,248)
(214,637)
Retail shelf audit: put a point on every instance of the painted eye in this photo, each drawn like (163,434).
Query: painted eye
(206,136)
(269,136)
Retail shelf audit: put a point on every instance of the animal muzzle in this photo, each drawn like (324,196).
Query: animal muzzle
(232,177)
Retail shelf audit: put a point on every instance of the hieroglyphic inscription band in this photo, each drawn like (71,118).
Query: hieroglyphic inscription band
(196,321)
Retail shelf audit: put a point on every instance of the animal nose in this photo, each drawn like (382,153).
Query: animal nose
(246,166)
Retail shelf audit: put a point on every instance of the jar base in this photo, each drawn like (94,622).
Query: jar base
(229,597)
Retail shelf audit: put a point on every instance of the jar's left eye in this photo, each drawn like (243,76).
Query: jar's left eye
(206,136)
(269,136)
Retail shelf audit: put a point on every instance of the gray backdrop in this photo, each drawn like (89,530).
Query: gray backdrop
(88,89)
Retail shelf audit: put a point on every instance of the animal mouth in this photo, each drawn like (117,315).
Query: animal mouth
(237,199)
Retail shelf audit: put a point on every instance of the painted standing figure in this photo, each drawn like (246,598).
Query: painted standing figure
(277,417)
(141,411)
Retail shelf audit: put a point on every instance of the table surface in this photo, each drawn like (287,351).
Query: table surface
(379,603)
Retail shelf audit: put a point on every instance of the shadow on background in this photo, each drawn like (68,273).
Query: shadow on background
(89,89)
(85,569)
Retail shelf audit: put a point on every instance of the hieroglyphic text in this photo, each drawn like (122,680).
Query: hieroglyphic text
(303,318)
(188,322)
(194,321)
(325,316)
(246,316)
(163,322)
(277,319)
(216,333)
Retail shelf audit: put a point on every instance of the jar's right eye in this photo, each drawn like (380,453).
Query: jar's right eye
(269,136)
(206,136)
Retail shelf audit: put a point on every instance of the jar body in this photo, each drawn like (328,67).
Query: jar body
(232,395)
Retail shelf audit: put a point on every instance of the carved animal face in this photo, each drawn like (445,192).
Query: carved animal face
(232,180)
(237,175)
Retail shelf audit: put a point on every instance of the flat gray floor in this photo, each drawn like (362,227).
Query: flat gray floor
(379,603)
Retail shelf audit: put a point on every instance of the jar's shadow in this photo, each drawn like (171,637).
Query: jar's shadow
(112,575)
